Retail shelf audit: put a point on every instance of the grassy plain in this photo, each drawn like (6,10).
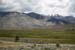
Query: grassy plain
(46,35)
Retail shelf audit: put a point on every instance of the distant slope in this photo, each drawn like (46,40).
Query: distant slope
(36,16)
(62,19)
(15,20)
(57,19)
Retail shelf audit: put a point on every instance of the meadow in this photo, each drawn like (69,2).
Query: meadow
(43,35)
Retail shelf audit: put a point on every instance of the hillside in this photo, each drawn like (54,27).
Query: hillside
(15,20)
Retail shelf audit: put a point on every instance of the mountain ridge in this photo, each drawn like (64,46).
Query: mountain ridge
(17,20)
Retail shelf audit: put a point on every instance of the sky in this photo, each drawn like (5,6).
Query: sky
(46,7)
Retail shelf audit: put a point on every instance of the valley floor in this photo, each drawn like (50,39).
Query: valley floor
(39,36)
(7,45)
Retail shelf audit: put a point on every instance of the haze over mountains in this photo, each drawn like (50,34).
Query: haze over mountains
(17,20)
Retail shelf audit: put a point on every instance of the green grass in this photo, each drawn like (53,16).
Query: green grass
(38,33)
(63,36)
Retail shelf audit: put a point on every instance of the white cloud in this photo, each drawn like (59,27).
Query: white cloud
(53,7)
(61,7)
(72,7)
(10,5)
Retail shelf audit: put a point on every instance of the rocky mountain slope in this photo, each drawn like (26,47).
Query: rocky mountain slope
(16,20)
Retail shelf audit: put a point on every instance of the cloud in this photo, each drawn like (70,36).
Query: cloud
(72,7)
(53,7)
(46,7)
(9,5)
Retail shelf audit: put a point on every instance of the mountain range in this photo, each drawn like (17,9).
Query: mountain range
(17,20)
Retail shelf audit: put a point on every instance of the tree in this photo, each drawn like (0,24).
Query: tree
(16,38)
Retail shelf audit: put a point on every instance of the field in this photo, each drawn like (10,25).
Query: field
(41,35)
(30,46)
